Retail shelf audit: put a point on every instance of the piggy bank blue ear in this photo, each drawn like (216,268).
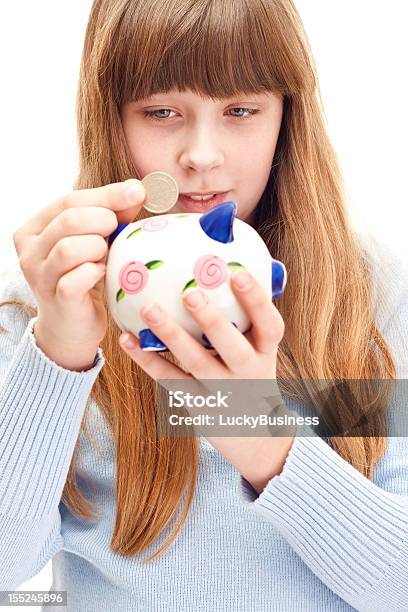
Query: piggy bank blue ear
(117,231)
(217,223)
(279,278)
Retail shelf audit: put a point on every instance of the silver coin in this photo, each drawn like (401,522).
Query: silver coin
(162,192)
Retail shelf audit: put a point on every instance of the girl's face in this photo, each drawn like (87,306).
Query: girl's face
(222,146)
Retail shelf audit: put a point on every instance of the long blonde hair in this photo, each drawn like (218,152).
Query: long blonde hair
(134,48)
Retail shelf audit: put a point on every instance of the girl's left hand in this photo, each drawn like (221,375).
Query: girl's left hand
(251,355)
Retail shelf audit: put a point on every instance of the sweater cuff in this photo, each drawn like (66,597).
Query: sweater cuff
(41,409)
(351,533)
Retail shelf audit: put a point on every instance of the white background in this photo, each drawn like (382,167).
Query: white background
(359,47)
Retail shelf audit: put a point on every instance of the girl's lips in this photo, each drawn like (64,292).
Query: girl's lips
(193,206)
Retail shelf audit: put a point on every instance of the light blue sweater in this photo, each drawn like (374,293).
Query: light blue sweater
(319,537)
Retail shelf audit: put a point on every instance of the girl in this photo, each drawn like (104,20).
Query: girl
(224,96)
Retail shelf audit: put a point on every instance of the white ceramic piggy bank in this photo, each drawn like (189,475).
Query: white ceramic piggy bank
(159,258)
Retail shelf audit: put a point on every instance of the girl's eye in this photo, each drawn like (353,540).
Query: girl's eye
(251,111)
(153,114)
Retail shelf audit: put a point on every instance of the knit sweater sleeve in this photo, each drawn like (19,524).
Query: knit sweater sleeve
(41,409)
(350,531)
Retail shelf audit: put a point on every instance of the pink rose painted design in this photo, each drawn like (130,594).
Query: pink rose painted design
(210,271)
(232,265)
(154,225)
(133,277)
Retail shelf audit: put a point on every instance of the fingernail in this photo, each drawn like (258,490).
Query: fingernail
(241,279)
(134,193)
(195,299)
(128,341)
(152,313)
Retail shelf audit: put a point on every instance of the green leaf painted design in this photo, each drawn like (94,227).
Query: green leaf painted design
(139,229)
(155,263)
(182,216)
(234,265)
(191,283)
(120,295)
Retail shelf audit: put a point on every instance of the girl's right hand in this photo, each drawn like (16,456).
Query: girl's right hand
(62,253)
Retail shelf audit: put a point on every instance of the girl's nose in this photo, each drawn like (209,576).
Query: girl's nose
(201,152)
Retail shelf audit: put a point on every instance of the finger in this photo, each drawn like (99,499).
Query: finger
(228,341)
(183,346)
(125,199)
(66,255)
(153,364)
(76,284)
(267,323)
(71,222)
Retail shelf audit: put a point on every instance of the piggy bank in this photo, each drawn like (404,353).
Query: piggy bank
(159,258)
